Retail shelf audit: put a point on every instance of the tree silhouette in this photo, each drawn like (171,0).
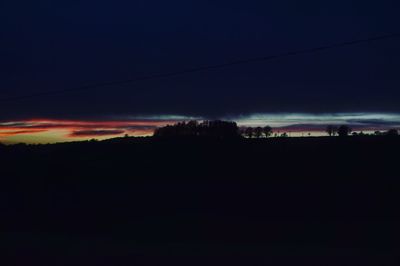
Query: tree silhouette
(258,131)
(392,132)
(344,131)
(267,130)
(242,131)
(219,129)
(249,132)
(331,130)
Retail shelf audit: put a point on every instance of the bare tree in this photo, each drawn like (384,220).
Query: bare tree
(331,130)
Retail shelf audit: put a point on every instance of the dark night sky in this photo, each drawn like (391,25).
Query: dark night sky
(52,45)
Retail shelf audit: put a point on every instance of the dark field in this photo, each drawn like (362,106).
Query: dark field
(286,201)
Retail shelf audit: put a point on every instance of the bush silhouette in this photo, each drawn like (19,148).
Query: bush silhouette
(284,135)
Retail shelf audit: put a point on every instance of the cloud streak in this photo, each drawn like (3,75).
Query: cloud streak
(53,130)
(69,130)
(19,132)
(96,133)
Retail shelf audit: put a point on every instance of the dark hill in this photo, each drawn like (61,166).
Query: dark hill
(202,201)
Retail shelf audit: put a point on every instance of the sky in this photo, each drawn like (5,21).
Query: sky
(58,45)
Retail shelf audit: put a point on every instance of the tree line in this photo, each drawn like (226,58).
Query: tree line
(227,129)
(218,128)
(345,130)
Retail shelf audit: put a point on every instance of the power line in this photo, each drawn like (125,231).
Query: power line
(204,68)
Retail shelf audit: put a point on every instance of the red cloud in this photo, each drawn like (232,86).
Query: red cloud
(95,133)
(81,128)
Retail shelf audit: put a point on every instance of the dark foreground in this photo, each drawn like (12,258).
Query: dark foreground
(322,201)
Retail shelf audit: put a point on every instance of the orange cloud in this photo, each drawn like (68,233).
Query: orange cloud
(66,130)
(19,132)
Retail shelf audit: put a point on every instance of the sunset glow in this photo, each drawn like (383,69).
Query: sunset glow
(54,130)
(51,131)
